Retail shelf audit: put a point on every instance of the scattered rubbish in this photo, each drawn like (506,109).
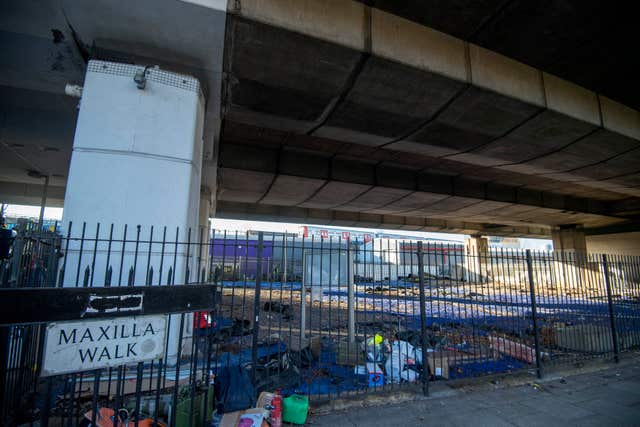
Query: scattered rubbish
(264,399)
(107,417)
(233,389)
(277,307)
(275,417)
(252,418)
(511,348)
(409,375)
(376,348)
(402,356)
(360,370)
(438,365)
(376,375)
(295,409)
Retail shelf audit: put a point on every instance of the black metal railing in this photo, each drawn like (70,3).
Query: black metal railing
(326,318)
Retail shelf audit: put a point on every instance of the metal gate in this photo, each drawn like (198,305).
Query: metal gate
(272,308)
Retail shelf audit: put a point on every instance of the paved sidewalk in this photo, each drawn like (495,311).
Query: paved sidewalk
(609,397)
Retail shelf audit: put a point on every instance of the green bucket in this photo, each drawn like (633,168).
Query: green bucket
(295,409)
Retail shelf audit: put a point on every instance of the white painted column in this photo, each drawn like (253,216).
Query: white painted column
(136,161)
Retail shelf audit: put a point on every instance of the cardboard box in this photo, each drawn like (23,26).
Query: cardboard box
(438,365)
(231,419)
(376,375)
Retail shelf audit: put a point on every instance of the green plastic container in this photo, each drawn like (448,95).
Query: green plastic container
(295,409)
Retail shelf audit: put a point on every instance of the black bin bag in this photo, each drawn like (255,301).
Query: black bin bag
(234,390)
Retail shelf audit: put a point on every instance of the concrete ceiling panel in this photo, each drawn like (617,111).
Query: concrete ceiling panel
(417,200)
(596,147)
(333,194)
(475,118)
(452,204)
(282,73)
(237,185)
(545,133)
(304,163)
(289,190)
(484,207)
(623,164)
(347,170)
(387,100)
(249,157)
(376,197)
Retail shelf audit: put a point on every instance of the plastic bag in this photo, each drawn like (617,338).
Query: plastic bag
(376,348)
(234,390)
(402,355)
(394,364)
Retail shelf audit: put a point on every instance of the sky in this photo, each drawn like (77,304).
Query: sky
(233,225)
(33,212)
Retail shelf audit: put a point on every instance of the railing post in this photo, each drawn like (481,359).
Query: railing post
(534,314)
(351,327)
(614,332)
(256,306)
(423,323)
(5,336)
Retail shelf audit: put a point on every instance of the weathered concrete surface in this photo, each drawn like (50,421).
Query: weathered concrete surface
(348,81)
(286,176)
(609,397)
(577,40)
(323,216)
(569,239)
(453,131)
(618,243)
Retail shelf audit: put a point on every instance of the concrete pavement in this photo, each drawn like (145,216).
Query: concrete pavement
(608,397)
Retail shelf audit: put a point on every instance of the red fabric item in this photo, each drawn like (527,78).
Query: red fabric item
(201,320)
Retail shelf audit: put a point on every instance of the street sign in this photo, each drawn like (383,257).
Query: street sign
(92,344)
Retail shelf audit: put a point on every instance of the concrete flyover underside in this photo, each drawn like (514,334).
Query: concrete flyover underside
(411,114)
(349,112)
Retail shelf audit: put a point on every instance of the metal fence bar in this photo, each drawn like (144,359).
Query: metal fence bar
(256,306)
(423,323)
(475,318)
(614,333)
(534,315)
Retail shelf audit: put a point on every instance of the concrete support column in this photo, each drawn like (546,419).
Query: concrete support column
(477,250)
(571,239)
(204,214)
(570,246)
(136,163)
